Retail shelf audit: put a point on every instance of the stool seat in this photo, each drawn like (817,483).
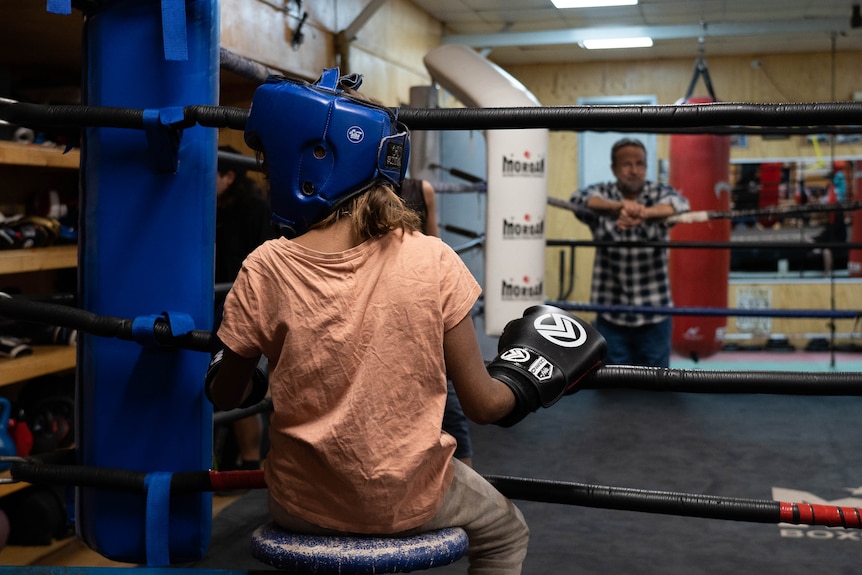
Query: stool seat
(356,555)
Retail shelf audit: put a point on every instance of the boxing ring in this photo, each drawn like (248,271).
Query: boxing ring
(138,364)
(611,377)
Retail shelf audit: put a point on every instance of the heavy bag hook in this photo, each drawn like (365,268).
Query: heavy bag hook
(700,69)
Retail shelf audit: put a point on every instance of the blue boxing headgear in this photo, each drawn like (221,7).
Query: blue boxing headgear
(322,146)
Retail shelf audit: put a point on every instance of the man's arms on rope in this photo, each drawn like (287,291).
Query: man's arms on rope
(630,213)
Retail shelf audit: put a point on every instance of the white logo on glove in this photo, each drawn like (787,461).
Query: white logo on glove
(516,355)
(562,330)
(542,369)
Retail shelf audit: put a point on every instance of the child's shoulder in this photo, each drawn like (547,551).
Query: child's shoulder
(415,244)
(419,240)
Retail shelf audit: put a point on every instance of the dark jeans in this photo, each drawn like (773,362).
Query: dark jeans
(455,424)
(646,345)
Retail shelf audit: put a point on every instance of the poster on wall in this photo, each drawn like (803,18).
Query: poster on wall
(754,297)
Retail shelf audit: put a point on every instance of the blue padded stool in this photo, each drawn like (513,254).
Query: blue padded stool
(356,555)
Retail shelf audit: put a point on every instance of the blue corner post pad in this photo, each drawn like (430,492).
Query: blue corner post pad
(143,327)
(158,486)
(60,6)
(174,33)
(164,133)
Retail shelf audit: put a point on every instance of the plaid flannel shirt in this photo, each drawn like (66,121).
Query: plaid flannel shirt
(631,276)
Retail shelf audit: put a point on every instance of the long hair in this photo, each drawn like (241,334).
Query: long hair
(374,213)
(379,210)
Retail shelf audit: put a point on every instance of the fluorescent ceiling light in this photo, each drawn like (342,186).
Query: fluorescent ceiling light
(609,43)
(592,3)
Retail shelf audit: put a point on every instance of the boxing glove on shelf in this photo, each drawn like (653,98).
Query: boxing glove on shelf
(259,380)
(542,356)
(14,347)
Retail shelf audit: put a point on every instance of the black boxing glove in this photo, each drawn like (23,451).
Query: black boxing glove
(542,356)
(259,380)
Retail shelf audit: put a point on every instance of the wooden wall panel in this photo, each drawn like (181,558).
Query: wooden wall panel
(803,295)
(401,34)
(388,49)
(257,30)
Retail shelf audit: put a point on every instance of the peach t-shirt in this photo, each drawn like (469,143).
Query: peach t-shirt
(357,374)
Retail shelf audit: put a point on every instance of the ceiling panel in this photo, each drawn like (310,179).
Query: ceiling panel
(727,27)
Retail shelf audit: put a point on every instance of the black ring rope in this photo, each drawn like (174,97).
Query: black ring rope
(778,245)
(710,311)
(469,245)
(626,499)
(702,216)
(80,116)
(686,217)
(461,231)
(642,378)
(238,161)
(777,213)
(804,116)
(479,185)
(100,325)
(724,381)
(664,379)
(675,503)
(244,67)
(35,471)
(814,118)
(729,130)
(543,491)
(200,340)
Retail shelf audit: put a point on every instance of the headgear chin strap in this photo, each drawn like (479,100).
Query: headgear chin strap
(322,146)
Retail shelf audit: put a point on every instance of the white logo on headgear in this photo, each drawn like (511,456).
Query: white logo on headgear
(562,330)
(355,134)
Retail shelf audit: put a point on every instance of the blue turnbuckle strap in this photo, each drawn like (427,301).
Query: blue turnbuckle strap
(163,137)
(181,323)
(158,486)
(143,330)
(60,6)
(143,327)
(174,34)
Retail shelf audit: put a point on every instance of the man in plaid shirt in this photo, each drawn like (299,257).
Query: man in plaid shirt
(631,209)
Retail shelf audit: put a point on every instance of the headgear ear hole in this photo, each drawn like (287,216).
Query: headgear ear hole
(319,152)
(308,188)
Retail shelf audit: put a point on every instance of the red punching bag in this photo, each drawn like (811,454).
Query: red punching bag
(699,170)
(854,259)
